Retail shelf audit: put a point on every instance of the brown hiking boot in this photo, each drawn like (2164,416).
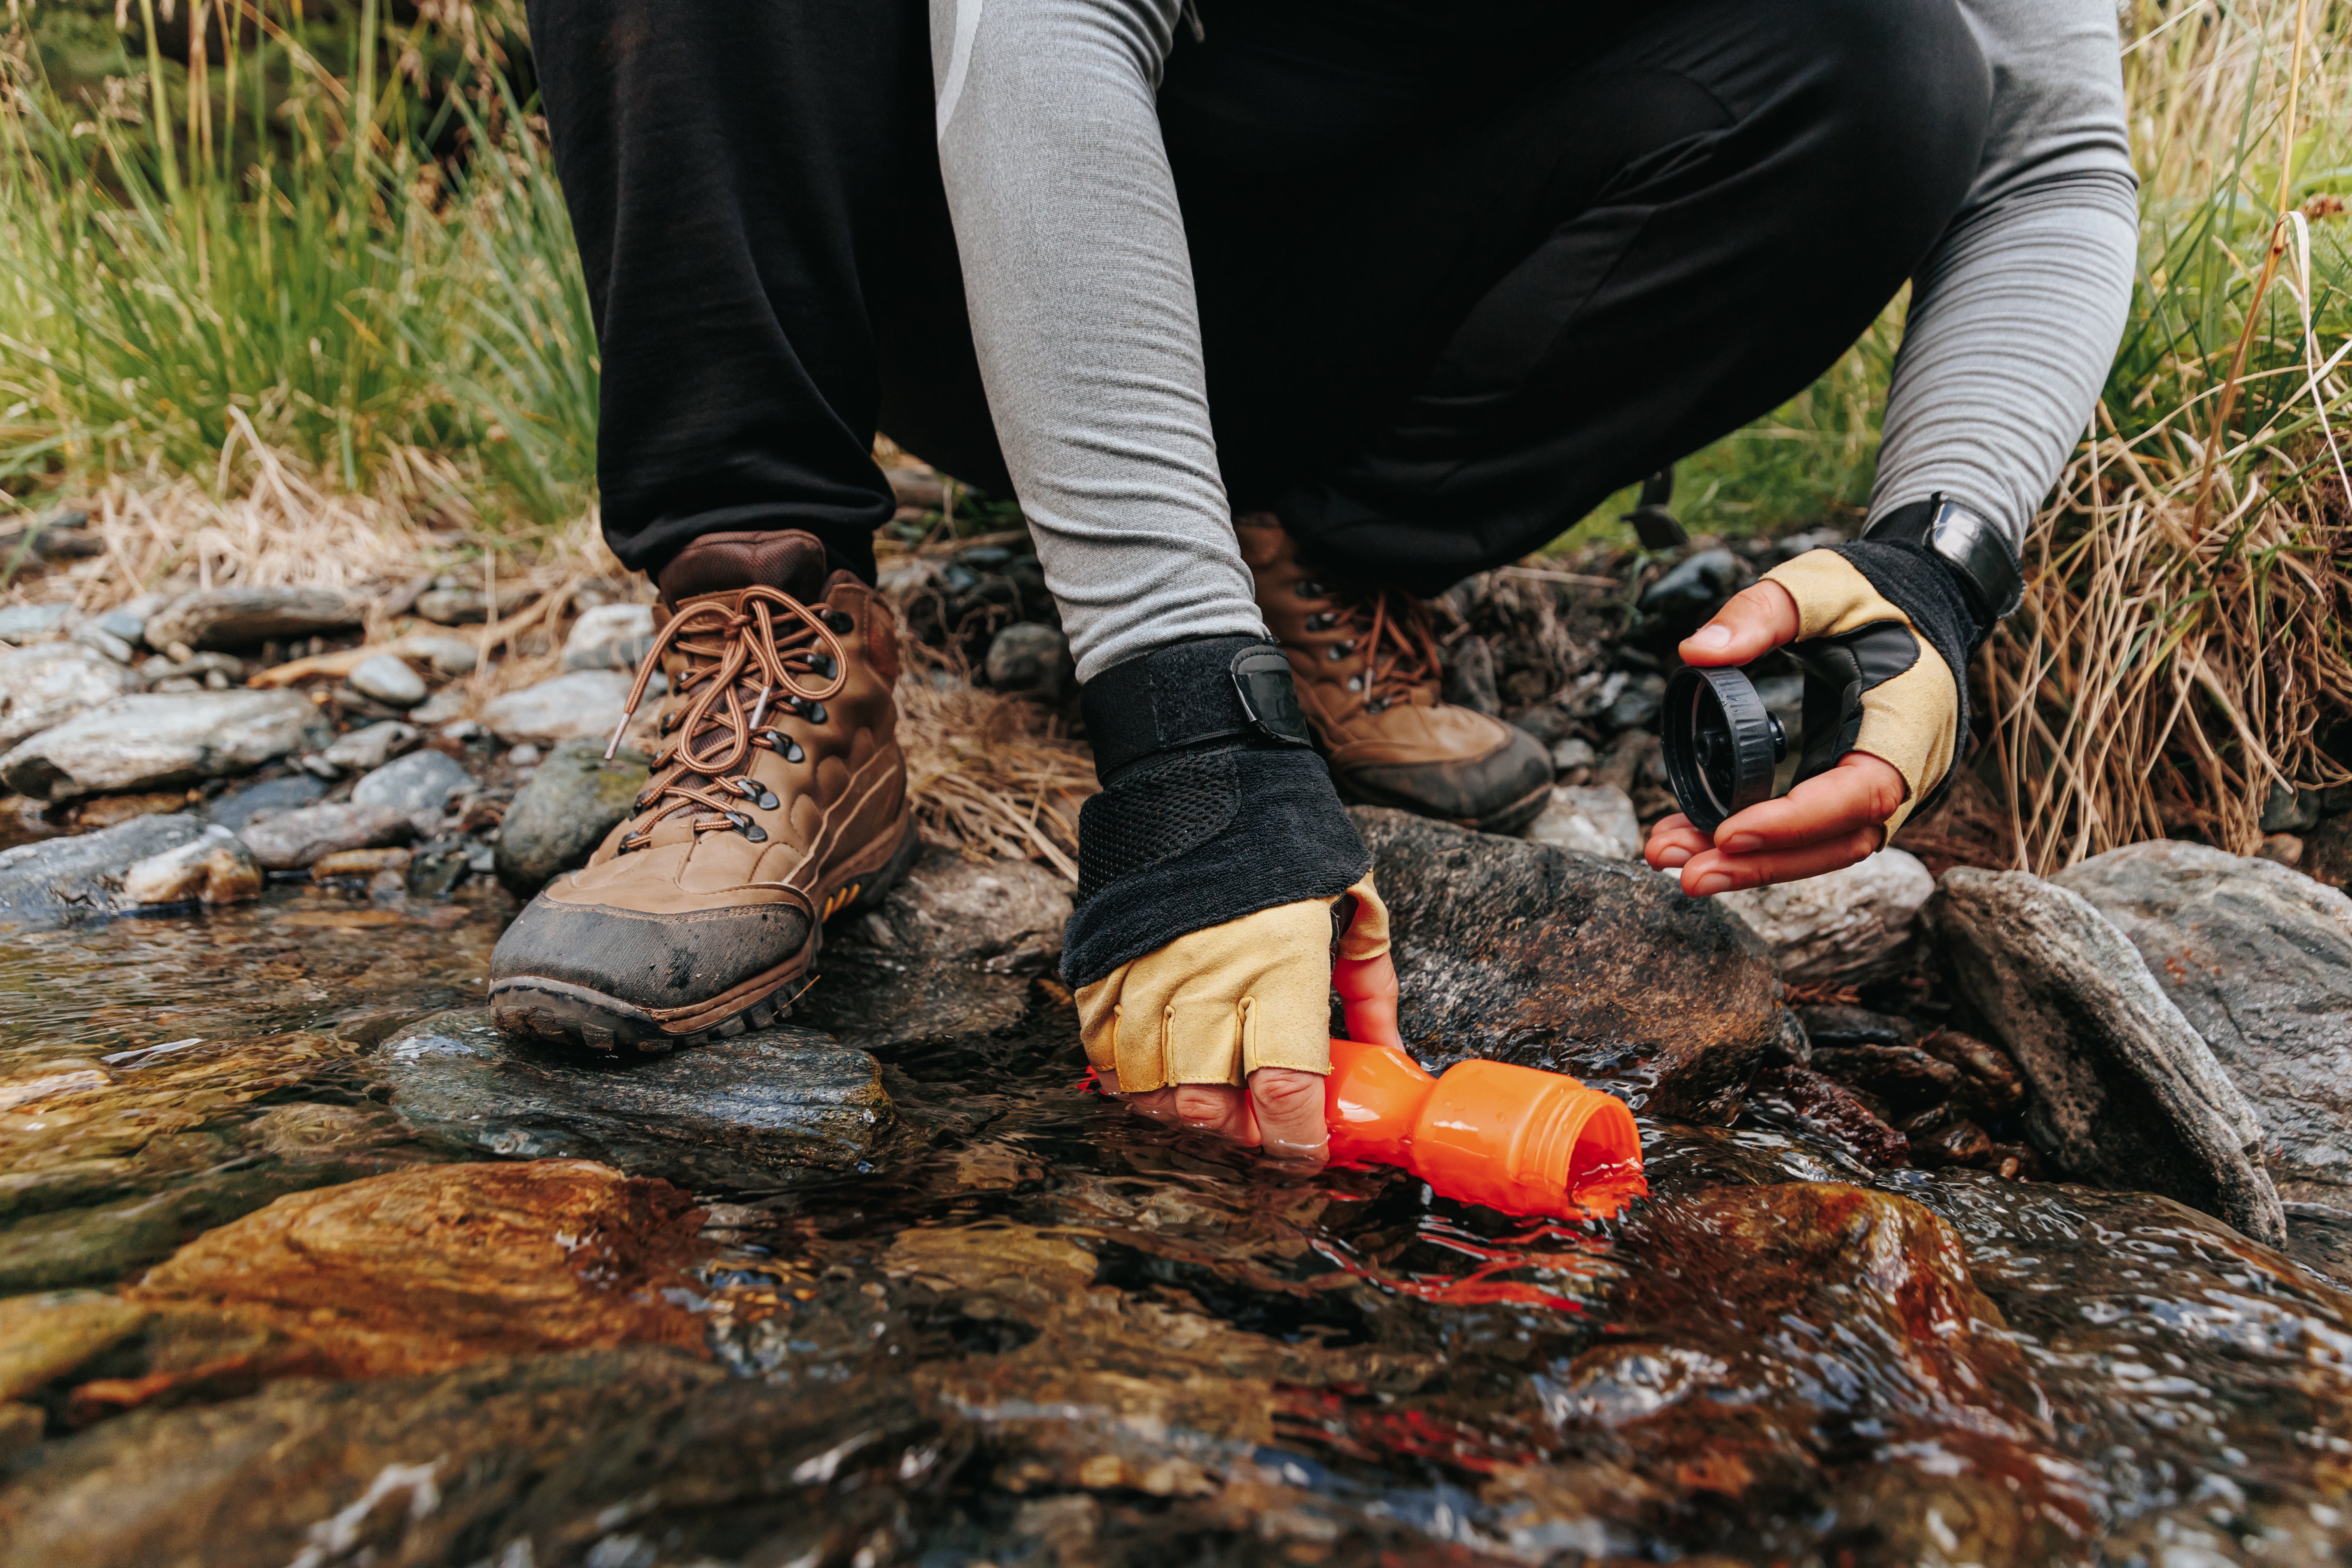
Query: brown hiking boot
(778,800)
(1367,669)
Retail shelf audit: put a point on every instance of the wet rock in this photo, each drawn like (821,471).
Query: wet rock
(362,864)
(145,741)
(2125,1092)
(1835,1025)
(228,619)
(215,868)
(44,685)
(1951,1140)
(610,637)
(1469,676)
(364,749)
(1031,660)
(1990,1081)
(46,1336)
(1800,1097)
(740,1112)
(294,841)
(1525,952)
(584,704)
(1592,820)
(233,811)
(1905,1076)
(421,783)
(559,815)
(388,679)
(23,624)
(94,812)
(950,952)
(430,1268)
(2259,960)
(437,867)
(1849,925)
(59,878)
(617,1459)
(454,606)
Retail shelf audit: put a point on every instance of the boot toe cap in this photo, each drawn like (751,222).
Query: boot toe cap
(656,962)
(1500,789)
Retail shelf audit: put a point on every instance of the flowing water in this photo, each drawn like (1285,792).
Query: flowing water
(1125,1345)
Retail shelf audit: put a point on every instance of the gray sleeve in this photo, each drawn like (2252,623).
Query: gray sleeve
(1080,288)
(2016,312)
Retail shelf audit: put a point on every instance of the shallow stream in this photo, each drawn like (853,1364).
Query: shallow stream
(1039,1330)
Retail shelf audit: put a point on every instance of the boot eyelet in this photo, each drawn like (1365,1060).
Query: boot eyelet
(1336,652)
(841,623)
(821,665)
(746,827)
(1306,589)
(793,753)
(1355,683)
(815,712)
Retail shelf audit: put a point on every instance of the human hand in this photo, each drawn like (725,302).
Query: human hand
(1227,1030)
(1904,734)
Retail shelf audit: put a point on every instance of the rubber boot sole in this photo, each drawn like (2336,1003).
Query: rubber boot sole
(579,1014)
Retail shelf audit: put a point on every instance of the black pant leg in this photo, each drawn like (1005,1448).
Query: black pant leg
(756,195)
(1542,253)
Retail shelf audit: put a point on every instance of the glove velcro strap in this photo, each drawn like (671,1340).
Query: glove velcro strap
(1197,840)
(1213,688)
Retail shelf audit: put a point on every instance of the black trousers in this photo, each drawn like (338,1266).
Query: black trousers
(1464,268)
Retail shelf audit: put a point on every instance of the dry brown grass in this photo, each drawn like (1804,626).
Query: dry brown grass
(990,775)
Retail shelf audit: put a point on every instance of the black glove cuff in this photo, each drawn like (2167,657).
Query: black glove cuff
(1944,608)
(1970,547)
(1195,838)
(1191,694)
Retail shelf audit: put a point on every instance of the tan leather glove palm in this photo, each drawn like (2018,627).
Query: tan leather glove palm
(1215,1005)
(1910,704)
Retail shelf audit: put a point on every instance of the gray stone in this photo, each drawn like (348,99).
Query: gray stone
(2286,810)
(291,840)
(1469,676)
(233,811)
(1697,586)
(63,879)
(231,618)
(524,756)
(371,747)
(90,634)
(31,623)
(146,741)
(738,1112)
(215,868)
(610,637)
(1031,659)
(440,708)
(1590,820)
(559,817)
(1527,954)
(950,952)
(446,655)
(454,606)
(2259,960)
(419,784)
(1575,752)
(1639,705)
(44,685)
(584,704)
(387,678)
(197,666)
(2125,1092)
(1846,925)
(128,619)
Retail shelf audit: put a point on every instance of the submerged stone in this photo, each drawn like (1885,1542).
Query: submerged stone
(745,1112)
(1603,969)
(45,1337)
(2125,1092)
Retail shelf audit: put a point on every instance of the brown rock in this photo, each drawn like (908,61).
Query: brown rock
(358,863)
(106,810)
(1993,1082)
(1905,1076)
(1958,1142)
(428,1269)
(45,1337)
(1830,1109)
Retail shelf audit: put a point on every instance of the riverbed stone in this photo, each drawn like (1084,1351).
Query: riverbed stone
(234,810)
(2259,960)
(421,783)
(232,619)
(147,741)
(44,685)
(23,624)
(45,1336)
(1603,969)
(2125,1092)
(1595,819)
(1845,926)
(950,952)
(610,637)
(295,840)
(580,705)
(388,678)
(214,869)
(369,748)
(564,810)
(614,1458)
(740,1112)
(1031,659)
(429,1268)
(64,878)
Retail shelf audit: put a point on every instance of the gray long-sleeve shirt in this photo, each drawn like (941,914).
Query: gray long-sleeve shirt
(1082,302)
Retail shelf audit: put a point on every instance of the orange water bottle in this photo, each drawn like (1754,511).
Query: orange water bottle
(1514,1139)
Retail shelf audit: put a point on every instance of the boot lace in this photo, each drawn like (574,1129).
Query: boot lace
(765,644)
(1394,629)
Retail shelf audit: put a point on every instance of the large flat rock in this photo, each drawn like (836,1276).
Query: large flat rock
(742,1112)
(66,878)
(2125,1092)
(1527,954)
(229,620)
(43,686)
(2258,959)
(148,740)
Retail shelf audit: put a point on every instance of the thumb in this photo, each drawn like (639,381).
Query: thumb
(1755,622)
